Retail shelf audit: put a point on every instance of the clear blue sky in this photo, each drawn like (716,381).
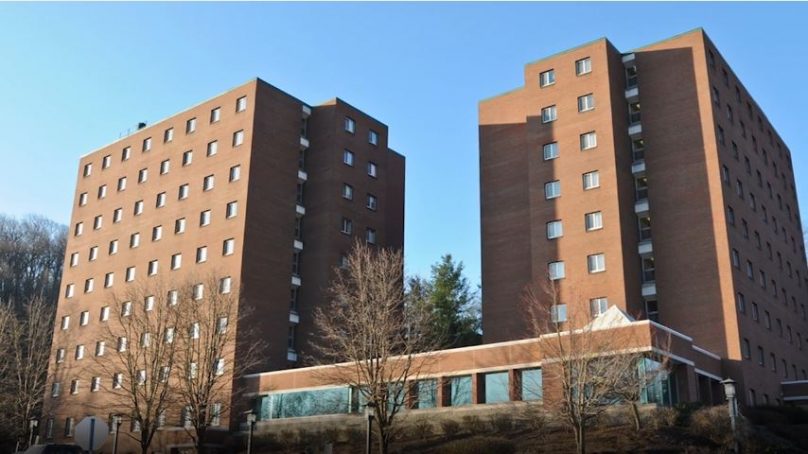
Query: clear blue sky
(73,76)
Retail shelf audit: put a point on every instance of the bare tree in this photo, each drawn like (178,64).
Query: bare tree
(31,257)
(379,338)
(26,340)
(207,365)
(140,342)
(593,363)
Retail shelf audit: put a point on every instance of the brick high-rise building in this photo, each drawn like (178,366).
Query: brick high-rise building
(272,191)
(652,181)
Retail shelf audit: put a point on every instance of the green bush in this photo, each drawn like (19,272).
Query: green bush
(478,445)
(450,427)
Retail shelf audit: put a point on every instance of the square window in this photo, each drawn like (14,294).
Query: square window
(204,218)
(586,102)
(82,199)
(157,233)
(596,263)
(102,191)
(176,261)
(241,104)
(190,126)
(179,226)
(121,184)
(104,314)
(583,66)
(213,148)
(370,236)
(372,202)
(147,144)
(235,173)
(199,291)
(558,313)
(165,166)
(347,191)
(591,180)
(373,137)
(348,157)
(65,322)
(238,138)
(555,229)
(106,161)
(207,183)
(589,140)
(126,153)
(89,285)
(552,190)
(109,280)
(74,259)
(350,125)
(98,222)
(79,229)
(372,171)
(187,158)
(593,221)
(231,210)
(347,226)
(229,246)
(154,265)
(88,170)
(84,318)
(183,192)
(93,253)
(598,306)
(168,135)
(547,78)
(215,114)
(555,270)
(550,151)
(202,254)
(130,274)
(225,285)
(138,207)
(549,114)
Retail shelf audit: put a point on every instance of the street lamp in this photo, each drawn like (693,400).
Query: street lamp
(116,425)
(370,412)
(32,424)
(732,400)
(251,418)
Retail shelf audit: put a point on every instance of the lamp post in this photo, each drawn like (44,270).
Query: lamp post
(732,401)
(116,424)
(251,418)
(370,412)
(32,424)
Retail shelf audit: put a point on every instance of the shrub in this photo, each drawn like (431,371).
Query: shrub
(501,423)
(478,444)
(765,415)
(450,427)
(473,424)
(712,423)
(422,429)
(663,417)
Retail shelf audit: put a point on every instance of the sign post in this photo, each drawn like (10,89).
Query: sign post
(91,433)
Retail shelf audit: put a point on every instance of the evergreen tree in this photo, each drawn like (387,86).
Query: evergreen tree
(454,305)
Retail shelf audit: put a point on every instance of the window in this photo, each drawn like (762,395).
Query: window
(70,290)
(238,138)
(100,348)
(93,253)
(147,144)
(109,280)
(56,389)
(347,191)
(183,192)
(88,170)
(98,222)
(193,333)
(79,352)
(117,380)
(596,263)
(173,297)
(161,200)
(597,306)
(228,246)
(235,173)
(745,349)
(187,158)
(176,261)
(199,291)
(241,104)
(372,202)
(591,180)
(231,210)
(65,322)
(69,427)
(126,309)
(207,183)
(121,184)
(555,270)
(221,325)
(190,126)
(79,229)
(350,125)
(721,139)
(550,151)
(215,114)
(95,384)
(347,226)
(179,226)
(761,357)
(730,215)
(219,366)
(130,274)
(583,66)
(373,137)
(554,230)
(134,240)
(589,140)
(102,191)
(138,208)
(593,221)
(126,153)
(740,299)
(213,148)
(586,102)
(370,235)
(60,355)
(549,114)
(558,313)
(122,343)
(547,78)
(89,284)
(74,259)
(372,169)
(755,312)
(736,260)
(348,157)
(202,254)
(552,190)
(117,214)
(153,267)
(82,199)
(168,135)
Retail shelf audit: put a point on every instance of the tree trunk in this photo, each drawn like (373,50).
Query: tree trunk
(635,413)
(384,442)
(200,438)
(580,439)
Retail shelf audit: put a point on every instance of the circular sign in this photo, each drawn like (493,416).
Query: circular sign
(91,433)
